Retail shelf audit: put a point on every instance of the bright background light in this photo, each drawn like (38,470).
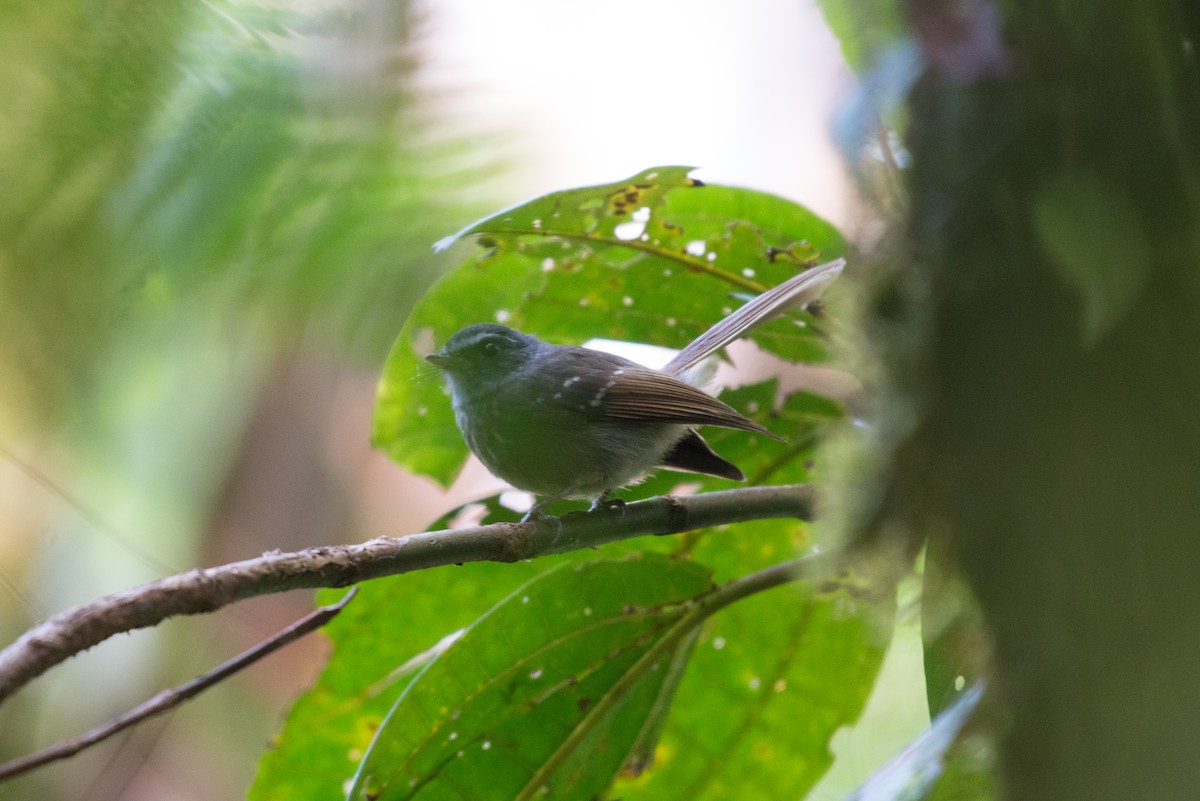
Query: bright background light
(594,92)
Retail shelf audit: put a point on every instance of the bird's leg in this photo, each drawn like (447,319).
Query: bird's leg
(535,512)
(591,479)
(599,502)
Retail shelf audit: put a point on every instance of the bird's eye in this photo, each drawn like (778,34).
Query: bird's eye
(491,348)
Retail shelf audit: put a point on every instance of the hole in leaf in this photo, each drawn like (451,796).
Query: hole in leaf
(628,231)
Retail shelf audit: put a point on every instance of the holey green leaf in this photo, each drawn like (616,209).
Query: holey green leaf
(546,695)
(657,258)
(770,681)
(394,627)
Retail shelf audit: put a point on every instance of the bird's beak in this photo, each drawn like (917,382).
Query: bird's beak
(440,359)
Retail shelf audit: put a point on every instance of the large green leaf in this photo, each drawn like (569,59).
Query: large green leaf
(400,620)
(391,623)
(651,259)
(544,695)
(763,663)
(772,679)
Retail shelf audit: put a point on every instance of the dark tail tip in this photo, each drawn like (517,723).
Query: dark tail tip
(693,455)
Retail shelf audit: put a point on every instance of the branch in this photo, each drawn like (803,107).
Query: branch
(205,590)
(169,699)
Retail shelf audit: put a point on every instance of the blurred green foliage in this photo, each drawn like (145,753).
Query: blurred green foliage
(1038,327)
(269,163)
(193,196)
(864,28)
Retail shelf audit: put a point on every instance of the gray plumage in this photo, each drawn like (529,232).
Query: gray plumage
(568,422)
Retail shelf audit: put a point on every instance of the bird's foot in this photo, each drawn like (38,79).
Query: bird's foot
(605,502)
(535,514)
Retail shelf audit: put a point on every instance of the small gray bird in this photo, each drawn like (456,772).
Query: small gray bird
(568,422)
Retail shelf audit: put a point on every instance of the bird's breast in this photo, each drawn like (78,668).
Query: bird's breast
(543,447)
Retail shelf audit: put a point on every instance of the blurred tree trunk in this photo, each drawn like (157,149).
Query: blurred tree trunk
(1055,234)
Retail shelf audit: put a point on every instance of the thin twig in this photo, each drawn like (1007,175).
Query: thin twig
(169,699)
(205,590)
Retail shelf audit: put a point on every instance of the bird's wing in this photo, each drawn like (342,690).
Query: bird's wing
(602,387)
(643,394)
